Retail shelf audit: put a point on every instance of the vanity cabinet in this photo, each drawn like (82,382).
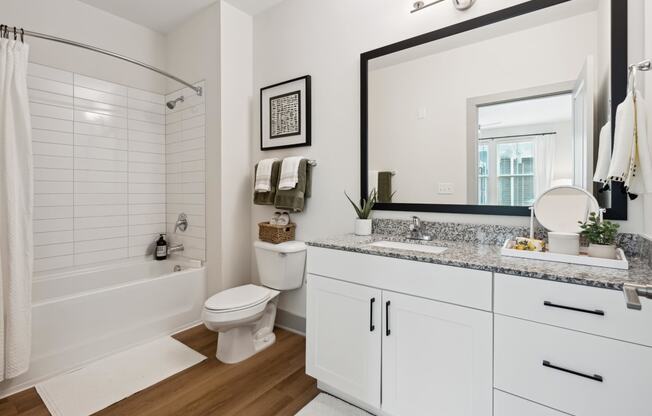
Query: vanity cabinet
(399,352)
(573,348)
(344,337)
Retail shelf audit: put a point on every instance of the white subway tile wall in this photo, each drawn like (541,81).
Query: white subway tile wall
(185,183)
(100,170)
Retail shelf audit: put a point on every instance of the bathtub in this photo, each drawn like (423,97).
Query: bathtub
(80,316)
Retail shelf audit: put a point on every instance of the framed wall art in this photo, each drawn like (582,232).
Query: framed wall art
(285,119)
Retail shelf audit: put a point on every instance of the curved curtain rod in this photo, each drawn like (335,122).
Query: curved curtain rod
(21,32)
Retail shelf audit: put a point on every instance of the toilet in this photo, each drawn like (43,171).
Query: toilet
(244,315)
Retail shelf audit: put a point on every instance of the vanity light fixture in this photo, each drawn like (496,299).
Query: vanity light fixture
(458,4)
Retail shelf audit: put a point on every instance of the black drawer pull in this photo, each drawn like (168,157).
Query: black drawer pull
(372,327)
(387,331)
(570,308)
(594,377)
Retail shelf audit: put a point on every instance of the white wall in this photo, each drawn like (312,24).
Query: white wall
(426,152)
(185,156)
(99,169)
(77,21)
(325,39)
(193,53)
(237,96)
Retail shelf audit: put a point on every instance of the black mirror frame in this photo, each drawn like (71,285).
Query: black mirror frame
(619,62)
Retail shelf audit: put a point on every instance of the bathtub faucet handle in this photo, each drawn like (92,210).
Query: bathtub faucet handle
(182,223)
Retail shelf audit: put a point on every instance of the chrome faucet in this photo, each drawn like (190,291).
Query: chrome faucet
(182,223)
(177,247)
(417,232)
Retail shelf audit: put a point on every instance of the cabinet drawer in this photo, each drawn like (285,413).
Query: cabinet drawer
(508,405)
(588,309)
(472,288)
(578,373)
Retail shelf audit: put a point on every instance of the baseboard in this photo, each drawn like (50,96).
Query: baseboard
(291,322)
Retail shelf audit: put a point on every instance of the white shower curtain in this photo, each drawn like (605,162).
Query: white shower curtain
(546,146)
(16,210)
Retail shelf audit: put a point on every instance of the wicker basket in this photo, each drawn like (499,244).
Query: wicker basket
(276,234)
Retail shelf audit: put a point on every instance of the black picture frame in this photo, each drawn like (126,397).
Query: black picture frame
(619,63)
(305,105)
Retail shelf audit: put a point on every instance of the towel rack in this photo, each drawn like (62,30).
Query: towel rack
(642,66)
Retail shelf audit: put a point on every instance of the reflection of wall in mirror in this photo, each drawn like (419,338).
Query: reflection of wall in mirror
(417,109)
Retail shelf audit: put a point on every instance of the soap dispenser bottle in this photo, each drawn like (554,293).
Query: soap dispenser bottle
(161,248)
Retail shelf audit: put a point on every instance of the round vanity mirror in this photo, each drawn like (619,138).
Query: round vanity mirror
(560,209)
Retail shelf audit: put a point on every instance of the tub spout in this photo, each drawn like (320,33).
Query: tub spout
(175,248)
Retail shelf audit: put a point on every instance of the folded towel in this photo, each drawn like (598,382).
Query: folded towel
(267,198)
(263,182)
(294,199)
(604,155)
(384,187)
(290,173)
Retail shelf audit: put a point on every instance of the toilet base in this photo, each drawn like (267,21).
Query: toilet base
(239,343)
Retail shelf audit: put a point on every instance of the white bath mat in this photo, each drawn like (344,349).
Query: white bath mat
(102,383)
(327,405)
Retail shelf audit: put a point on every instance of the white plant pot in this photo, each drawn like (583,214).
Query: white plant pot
(601,251)
(362,227)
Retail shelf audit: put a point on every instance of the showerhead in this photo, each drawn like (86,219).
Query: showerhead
(173,103)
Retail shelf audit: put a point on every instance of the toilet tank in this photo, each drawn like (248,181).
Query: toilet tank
(281,266)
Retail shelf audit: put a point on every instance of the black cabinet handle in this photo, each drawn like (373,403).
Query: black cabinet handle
(594,377)
(570,308)
(371,315)
(387,331)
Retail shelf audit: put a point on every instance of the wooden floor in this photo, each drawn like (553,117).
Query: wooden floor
(272,382)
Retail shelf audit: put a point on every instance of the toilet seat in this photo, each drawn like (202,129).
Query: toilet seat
(238,298)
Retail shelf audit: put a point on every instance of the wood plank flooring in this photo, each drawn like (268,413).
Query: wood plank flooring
(272,382)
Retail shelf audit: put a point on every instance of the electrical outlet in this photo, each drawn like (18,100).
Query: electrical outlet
(446,188)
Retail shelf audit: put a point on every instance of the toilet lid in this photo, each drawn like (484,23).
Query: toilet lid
(238,298)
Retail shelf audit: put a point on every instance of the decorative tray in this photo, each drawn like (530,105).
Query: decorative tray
(619,263)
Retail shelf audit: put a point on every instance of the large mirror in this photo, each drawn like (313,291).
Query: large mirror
(486,115)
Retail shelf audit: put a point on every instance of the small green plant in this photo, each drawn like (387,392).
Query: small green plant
(599,232)
(364,210)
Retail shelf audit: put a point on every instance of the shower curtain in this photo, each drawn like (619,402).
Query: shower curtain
(16,210)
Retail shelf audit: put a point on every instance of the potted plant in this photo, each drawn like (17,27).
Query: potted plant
(363,222)
(601,235)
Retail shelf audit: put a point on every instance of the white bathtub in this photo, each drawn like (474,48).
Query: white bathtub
(82,315)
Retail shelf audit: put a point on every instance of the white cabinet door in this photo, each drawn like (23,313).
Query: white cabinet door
(437,358)
(343,337)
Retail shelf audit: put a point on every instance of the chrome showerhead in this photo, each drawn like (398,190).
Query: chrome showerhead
(173,103)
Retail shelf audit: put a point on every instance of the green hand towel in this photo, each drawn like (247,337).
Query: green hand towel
(267,198)
(294,199)
(385,187)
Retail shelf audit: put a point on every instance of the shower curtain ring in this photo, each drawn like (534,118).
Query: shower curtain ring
(15,33)
(2,28)
(22,35)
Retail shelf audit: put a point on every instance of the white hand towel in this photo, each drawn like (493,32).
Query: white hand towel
(621,159)
(289,173)
(604,155)
(264,175)
(641,180)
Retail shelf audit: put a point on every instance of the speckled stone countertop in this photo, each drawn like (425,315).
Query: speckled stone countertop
(473,255)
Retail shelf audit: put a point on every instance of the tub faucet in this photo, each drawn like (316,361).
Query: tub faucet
(178,247)
(417,232)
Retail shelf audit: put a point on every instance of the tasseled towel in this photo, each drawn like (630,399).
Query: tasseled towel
(631,162)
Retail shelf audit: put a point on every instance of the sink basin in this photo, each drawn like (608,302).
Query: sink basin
(408,246)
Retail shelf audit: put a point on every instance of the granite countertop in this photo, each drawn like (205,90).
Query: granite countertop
(488,257)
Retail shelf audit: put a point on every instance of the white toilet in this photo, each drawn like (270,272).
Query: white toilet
(244,316)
